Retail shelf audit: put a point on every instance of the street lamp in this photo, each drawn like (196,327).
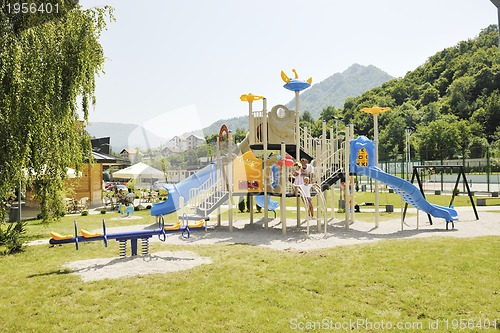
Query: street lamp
(375,110)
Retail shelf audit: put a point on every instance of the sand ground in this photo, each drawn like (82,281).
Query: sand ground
(295,239)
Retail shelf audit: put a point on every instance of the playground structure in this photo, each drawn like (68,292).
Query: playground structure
(278,137)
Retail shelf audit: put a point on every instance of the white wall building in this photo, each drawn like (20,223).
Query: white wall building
(179,144)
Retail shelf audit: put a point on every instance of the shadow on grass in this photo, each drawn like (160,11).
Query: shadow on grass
(55,272)
(91,264)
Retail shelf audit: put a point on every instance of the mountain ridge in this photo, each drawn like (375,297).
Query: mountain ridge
(332,91)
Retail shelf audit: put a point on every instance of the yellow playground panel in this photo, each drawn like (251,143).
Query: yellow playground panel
(247,173)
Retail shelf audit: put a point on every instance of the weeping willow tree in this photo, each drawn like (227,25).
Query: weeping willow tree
(48,66)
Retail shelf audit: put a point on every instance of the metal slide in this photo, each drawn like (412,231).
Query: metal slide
(410,193)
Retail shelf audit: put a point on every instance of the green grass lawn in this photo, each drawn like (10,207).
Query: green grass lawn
(442,283)
(253,289)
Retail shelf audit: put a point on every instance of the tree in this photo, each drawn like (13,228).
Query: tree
(306,119)
(164,169)
(429,94)
(492,114)
(440,139)
(458,83)
(239,135)
(45,68)
(460,97)
(391,142)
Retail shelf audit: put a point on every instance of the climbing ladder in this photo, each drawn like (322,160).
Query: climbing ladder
(330,158)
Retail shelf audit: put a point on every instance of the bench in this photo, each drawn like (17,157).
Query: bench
(388,207)
(483,201)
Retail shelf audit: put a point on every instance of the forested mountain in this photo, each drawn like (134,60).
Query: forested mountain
(334,90)
(451,102)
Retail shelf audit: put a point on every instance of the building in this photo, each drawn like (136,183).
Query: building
(171,150)
(194,141)
(128,154)
(178,144)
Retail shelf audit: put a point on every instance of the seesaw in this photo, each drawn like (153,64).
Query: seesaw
(86,236)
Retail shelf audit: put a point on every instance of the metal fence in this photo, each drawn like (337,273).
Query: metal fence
(482,173)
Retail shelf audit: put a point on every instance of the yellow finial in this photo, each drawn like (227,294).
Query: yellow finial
(285,77)
(309,80)
(250,97)
(295,72)
(375,110)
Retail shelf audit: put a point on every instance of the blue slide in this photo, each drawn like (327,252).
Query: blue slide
(410,193)
(271,204)
(175,191)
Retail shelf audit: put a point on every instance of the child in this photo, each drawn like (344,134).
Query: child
(298,178)
(306,188)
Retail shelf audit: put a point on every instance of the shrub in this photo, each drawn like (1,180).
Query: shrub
(10,237)
(131,184)
(85,213)
(103,211)
(148,207)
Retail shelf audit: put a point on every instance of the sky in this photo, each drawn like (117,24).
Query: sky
(179,65)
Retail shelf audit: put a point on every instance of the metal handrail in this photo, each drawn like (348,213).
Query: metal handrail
(307,142)
(207,194)
(321,196)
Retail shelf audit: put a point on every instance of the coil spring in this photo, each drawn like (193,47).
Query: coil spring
(123,248)
(145,246)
